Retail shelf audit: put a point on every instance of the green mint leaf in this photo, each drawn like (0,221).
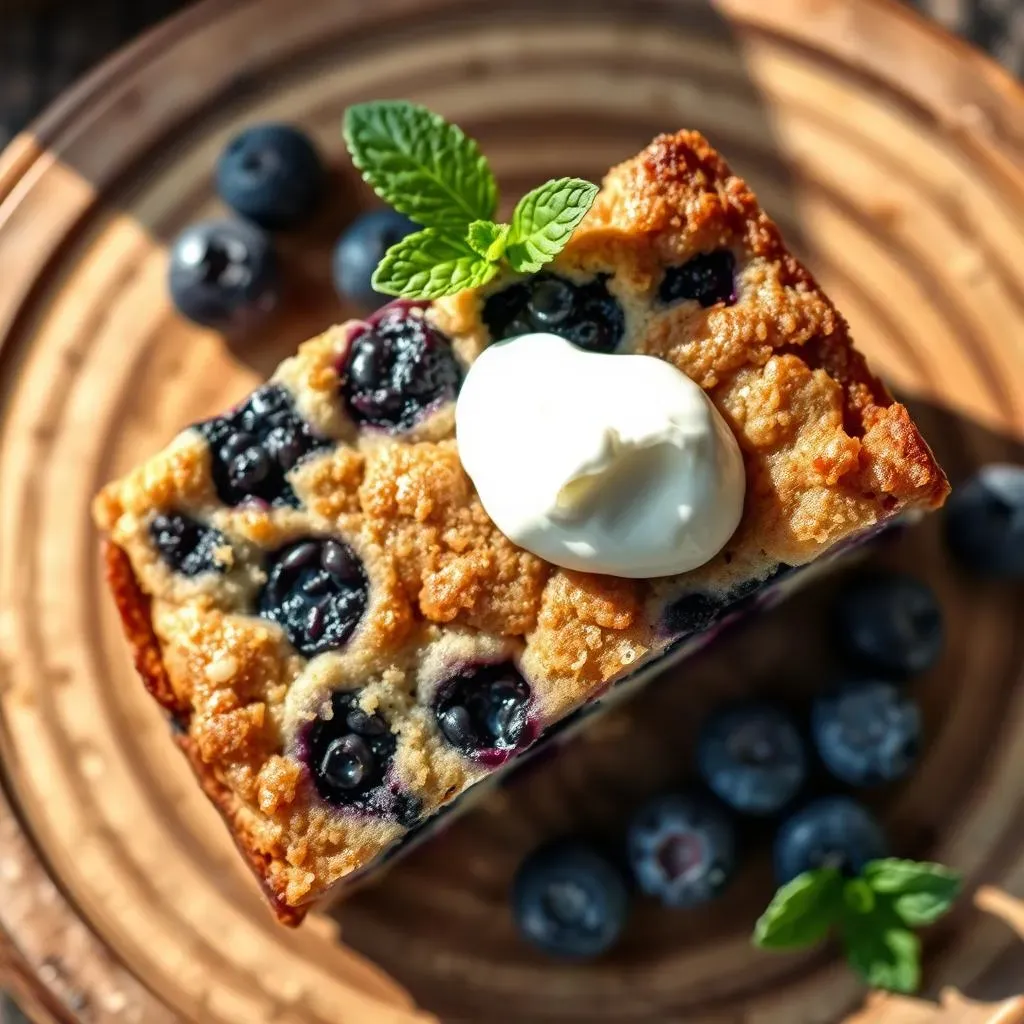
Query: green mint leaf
(802,911)
(884,953)
(858,896)
(424,167)
(920,909)
(488,239)
(544,219)
(921,892)
(428,265)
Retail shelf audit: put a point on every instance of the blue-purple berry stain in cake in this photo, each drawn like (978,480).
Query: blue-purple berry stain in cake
(690,614)
(586,314)
(483,710)
(707,278)
(317,592)
(253,448)
(186,545)
(349,752)
(398,368)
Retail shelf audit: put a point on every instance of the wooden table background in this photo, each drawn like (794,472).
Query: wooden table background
(46,44)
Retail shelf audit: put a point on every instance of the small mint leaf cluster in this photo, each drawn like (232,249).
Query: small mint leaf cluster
(436,175)
(874,915)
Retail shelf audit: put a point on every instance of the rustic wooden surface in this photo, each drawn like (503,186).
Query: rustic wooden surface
(892,156)
(45,45)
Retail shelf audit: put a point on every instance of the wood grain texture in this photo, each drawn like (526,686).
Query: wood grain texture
(892,157)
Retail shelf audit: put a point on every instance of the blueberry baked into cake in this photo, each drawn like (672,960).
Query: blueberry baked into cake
(351,626)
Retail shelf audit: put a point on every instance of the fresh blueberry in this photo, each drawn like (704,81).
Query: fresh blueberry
(867,732)
(317,592)
(585,314)
(708,278)
(272,174)
(361,248)
(397,369)
(682,849)
(349,754)
(834,832)
(253,448)
(483,708)
(186,545)
(890,623)
(569,901)
(223,274)
(985,522)
(753,757)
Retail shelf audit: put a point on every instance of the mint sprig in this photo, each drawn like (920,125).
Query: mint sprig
(883,951)
(427,265)
(424,167)
(435,174)
(488,239)
(802,912)
(920,893)
(544,219)
(874,916)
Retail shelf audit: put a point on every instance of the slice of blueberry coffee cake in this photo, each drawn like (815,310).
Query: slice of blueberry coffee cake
(354,617)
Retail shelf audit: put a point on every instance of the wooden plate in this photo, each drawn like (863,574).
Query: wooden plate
(890,153)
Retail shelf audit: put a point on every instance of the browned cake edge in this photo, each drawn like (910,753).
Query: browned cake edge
(683,171)
(133,605)
(912,479)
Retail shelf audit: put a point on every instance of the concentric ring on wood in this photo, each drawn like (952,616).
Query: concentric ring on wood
(890,154)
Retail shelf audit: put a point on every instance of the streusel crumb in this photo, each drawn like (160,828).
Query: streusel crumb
(457,649)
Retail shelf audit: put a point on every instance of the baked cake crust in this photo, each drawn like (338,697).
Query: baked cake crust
(828,455)
(133,605)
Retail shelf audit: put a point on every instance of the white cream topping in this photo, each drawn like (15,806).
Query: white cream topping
(615,464)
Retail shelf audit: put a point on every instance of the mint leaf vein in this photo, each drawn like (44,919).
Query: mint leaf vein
(544,219)
(429,265)
(874,912)
(423,166)
(802,911)
(921,892)
(884,953)
(488,239)
(433,173)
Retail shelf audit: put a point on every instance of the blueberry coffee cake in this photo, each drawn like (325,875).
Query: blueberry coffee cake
(351,626)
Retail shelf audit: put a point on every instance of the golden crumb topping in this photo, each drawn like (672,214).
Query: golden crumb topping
(450,603)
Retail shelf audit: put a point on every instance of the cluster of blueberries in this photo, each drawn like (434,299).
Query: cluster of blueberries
(317,592)
(224,273)
(755,759)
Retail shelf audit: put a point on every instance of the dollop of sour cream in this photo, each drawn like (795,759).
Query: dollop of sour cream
(615,464)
